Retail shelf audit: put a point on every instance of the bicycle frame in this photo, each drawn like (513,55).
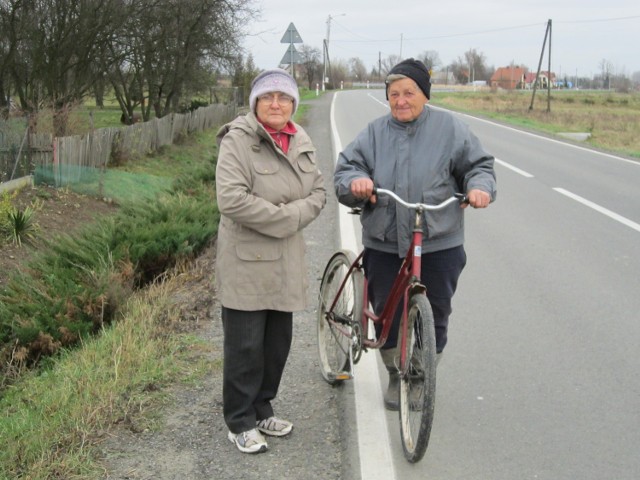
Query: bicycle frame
(405,284)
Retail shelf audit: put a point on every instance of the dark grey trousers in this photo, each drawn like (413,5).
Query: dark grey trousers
(256,348)
(440,273)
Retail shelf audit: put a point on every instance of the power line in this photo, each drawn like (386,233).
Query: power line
(483,32)
(598,20)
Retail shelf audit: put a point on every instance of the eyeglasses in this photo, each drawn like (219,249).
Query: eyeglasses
(282,99)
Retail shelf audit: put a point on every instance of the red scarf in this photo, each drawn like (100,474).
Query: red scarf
(281,137)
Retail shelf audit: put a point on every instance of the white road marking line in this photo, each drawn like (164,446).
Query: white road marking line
(515,169)
(598,208)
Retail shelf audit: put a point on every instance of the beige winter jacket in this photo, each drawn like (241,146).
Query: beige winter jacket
(265,198)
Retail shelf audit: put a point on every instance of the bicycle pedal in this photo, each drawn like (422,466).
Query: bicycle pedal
(343,375)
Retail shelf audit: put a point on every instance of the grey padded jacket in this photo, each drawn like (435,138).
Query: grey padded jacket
(426,160)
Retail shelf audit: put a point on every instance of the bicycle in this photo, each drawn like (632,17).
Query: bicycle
(344,318)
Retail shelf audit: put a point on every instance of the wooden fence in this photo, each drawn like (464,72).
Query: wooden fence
(66,158)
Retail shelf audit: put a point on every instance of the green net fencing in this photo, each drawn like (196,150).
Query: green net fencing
(109,184)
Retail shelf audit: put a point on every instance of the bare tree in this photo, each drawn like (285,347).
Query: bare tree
(152,52)
(430,58)
(606,69)
(460,70)
(357,70)
(311,65)
(183,38)
(388,63)
(476,62)
(54,43)
(339,73)
(470,67)
(5,52)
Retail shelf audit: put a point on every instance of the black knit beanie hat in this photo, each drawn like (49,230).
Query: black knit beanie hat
(415,70)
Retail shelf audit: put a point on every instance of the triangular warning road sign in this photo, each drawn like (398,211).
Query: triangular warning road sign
(291,56)
(291,35)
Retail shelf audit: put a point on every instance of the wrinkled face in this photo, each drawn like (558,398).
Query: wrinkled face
(406,100)
(274,109)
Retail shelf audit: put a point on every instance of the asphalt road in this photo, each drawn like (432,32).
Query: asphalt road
(539,379)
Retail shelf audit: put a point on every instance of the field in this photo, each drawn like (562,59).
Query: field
(612,119)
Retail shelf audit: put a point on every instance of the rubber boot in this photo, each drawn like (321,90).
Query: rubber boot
(392,394)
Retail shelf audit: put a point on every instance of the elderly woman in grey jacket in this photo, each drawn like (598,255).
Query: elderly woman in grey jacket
(424,155)
(268,189)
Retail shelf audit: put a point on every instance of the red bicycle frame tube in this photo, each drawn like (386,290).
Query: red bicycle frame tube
(405,284)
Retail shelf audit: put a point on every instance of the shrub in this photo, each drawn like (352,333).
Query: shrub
(21,225)
(77,286)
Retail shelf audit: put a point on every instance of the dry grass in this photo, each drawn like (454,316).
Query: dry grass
(53,420)
(612,119)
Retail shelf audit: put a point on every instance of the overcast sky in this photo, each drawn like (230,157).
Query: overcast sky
(584,32)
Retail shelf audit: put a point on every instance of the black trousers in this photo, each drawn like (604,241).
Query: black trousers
(256,348)
(440,273)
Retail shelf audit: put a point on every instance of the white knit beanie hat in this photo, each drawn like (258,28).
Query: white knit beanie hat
(275,80)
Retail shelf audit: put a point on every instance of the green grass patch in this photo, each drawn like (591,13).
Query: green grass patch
(106,117)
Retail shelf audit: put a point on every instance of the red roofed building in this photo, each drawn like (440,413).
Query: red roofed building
(508,78)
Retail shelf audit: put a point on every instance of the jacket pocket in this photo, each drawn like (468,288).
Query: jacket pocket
(307,163)
(376,218)
(259,267)
(446,220)
(265,165)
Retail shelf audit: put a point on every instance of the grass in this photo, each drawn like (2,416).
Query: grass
(49,422)
(612,119)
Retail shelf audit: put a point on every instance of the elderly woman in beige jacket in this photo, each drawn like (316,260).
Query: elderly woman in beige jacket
(268,189)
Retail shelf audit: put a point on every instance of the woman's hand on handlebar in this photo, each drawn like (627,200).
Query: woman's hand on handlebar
(477,199)
(362,188)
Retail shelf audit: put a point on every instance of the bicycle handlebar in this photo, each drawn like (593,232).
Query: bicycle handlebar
(457,197)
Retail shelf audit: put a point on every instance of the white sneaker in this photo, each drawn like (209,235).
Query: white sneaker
(274,426)
(250,441)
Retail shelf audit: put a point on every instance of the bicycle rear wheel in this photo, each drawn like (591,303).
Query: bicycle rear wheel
(336,326)
(418,379)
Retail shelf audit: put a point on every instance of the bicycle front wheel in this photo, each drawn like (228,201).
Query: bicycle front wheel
(336,325)
(418,379)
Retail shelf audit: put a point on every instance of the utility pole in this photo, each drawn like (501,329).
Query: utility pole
(325,51)
(535,83)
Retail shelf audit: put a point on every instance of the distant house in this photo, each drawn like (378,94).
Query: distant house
(543,80)
(443,78)
(508,78)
